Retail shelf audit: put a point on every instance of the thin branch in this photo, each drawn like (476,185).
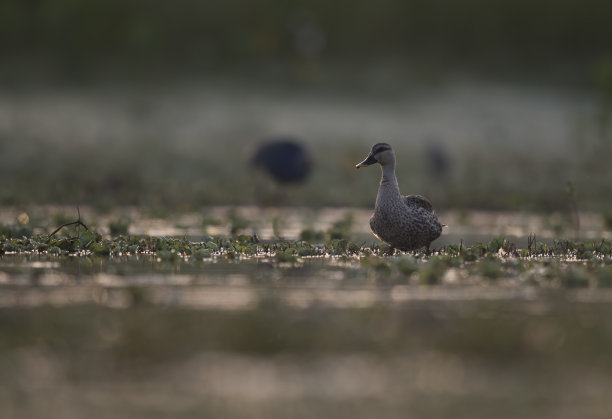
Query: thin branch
(78,222)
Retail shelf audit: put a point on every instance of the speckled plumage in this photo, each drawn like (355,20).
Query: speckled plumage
(404,222)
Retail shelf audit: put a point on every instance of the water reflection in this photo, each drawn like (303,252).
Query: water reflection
(241,292)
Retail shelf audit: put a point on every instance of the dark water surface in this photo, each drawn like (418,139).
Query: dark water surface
(138,336)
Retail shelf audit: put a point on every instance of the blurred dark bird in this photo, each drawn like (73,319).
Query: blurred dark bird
(285,160)
(438,159)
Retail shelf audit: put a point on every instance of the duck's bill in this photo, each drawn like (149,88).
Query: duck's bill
(370,160)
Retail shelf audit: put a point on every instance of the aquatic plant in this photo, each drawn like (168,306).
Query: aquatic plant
(119,226)
(564,263)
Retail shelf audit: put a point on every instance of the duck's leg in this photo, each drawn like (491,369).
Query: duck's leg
(391,251)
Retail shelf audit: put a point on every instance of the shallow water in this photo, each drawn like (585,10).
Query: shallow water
(246,284)
(326,336)
(335,357)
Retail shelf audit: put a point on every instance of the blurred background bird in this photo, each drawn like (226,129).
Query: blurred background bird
(280,163)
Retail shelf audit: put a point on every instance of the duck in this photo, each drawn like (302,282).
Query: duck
(403,222)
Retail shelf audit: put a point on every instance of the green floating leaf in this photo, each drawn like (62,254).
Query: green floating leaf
(202,254)
(212,246)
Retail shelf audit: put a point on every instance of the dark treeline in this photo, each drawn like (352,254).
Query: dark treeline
(75,36)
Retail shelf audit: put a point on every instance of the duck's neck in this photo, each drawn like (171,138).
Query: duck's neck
(388,176)
(388,188)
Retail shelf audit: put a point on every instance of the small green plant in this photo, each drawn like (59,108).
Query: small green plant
(119,227)
(491,268)
(237,222)
(407,265)
(311,235)
(341,229)
(431,273)
(14,231)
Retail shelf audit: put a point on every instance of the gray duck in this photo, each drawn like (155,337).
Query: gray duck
(403,222)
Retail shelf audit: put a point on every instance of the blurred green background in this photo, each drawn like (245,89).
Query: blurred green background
(159,104)
(71,38)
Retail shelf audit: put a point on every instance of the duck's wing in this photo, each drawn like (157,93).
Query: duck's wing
(418,201)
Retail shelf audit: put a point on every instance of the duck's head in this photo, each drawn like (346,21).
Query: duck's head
(381,153)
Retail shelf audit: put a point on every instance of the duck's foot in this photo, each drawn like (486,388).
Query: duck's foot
(391,251)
